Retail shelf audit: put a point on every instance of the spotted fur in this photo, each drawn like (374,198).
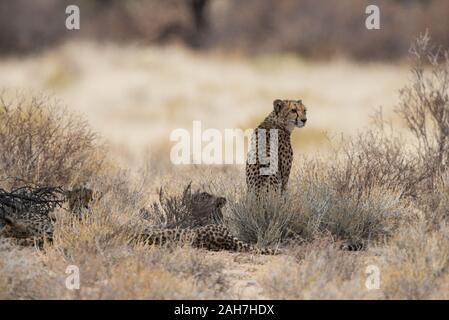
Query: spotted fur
(30,227)
(27,228)
(286,115)
(212,237)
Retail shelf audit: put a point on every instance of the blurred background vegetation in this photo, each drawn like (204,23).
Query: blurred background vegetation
(316,29)
(97,107)
(138,69)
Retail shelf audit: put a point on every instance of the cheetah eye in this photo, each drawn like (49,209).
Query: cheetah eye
(293,111)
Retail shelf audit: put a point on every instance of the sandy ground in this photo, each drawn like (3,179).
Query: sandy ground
(243,271)
(134,97)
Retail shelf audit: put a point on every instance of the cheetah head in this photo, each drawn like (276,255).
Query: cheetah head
(292,113)
(79,198)
(16,228)
(206,205)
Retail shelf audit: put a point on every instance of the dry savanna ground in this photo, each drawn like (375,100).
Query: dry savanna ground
(383,185)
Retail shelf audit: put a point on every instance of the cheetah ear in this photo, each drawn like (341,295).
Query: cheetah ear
(8,220)
(277,105)
(220,202)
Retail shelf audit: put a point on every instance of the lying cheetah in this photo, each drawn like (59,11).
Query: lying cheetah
(212,237)
(273,175)
(27,229)
(206,207)
(35,230)
(32,226)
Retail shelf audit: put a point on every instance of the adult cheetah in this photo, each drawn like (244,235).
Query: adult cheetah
(35,230)
(79,199)
(191,209)
(32,228)
(32,225)
(214,237)
(269,171)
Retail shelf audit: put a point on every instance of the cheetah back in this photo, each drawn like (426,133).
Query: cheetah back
(286,115)
(211,237)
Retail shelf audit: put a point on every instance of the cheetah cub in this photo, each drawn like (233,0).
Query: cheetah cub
(269,171)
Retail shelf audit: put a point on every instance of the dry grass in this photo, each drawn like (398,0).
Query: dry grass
(413,261)
(115,273)
(372,188)
(44,144)
(415,265)
(323,272)
(110,266)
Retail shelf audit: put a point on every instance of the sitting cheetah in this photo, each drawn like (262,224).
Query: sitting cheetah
(270,172)
(212,237)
